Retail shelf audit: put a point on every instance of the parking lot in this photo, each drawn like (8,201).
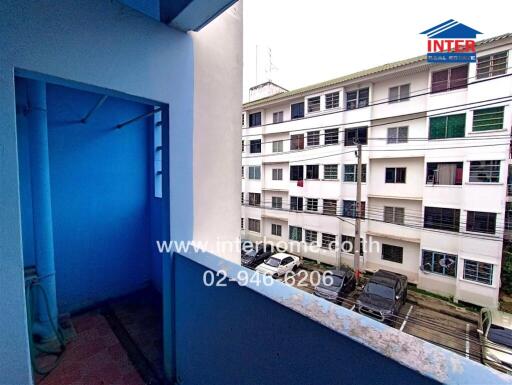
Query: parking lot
(449,332)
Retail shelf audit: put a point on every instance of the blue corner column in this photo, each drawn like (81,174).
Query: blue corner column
(42,208)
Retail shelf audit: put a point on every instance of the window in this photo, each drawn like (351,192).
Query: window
(480,222)
(395,174)
(296,172)
(242,219)
(255,119)
(347,244)
(277,202)
(399,93)
(328,241)
(276,229)
(277,174)
(398,134)
(277,146)
(312,204)
(242,196)
(447,173)
(394,215)
(295,233)
(254,172)
(439,263)
(254,199)
(452,126)
(329,207)
(296,203)
(332,100)
(356,135)
(392,253)
(312,171)
(358,98)
(297,110)
(254,225)
(255,146)
(314,104)
(243,146)
(441,218)
(488,119)
(330,171)
(450,79)
(331,136)
(157,159)
(297,142)
(310,236)
(491,65)
(478,271)
(349,209)
(243,172)
(243,119)
(350,173)
(313,138)
(484,171)
(277,117)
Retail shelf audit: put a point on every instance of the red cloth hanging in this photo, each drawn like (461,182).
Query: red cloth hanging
(300,183)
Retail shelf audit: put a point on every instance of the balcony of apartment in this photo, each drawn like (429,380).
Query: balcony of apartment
(396,229)
(448,87)
(443,183)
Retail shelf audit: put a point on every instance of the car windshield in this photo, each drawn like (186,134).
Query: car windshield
(331,281)
(380,290)
(274,262)
(500,335)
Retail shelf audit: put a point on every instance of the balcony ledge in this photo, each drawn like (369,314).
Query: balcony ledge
(395,237)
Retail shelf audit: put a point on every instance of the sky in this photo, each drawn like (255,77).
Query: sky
(316,40)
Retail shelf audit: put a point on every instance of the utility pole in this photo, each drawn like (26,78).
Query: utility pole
(357,238)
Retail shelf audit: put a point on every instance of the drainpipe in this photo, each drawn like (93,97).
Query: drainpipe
(42,208)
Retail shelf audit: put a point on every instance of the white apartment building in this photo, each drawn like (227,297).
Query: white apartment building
(436,155)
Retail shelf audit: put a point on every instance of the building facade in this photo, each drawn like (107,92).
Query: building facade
(435,154)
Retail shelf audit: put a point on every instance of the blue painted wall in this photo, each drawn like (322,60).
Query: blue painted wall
(101,183)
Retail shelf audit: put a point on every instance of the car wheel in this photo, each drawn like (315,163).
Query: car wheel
(275,275)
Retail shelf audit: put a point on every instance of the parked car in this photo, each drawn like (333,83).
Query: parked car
(245,246)
(279,264)
(256,256)
(336,284)
(383,296)
(495,330)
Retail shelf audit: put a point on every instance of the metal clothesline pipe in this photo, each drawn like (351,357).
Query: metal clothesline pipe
(137,118)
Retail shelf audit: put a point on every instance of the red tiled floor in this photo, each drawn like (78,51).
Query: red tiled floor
(94,357)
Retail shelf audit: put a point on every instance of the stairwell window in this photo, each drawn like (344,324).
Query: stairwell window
(310,236)
(312,171)
(277,146)
(347,244)
(297,142)
(255,146)
(276,229)
(255,119)
(439,263)
(349,209)
(394,215)
(277,174)
(350,173)
(399,93)
(254,225)
(331,171)
(328,241)
(441,218)
(478,271)
(395,174)
(398,134)
(356,135)
(445,173)
(481,222)
(484,171)
(313,138)
(450,79)
(491,65)
(255,172)
(331,136)
(330,206)
(296,172)
(254,199)
(295,233)
(392,253)
(277,117)
(296,203)
(314,104)
(358,98)
(332,100)
(277,202)
(312,204)
(452,126)
(297,110)
(488,119)
(241,221)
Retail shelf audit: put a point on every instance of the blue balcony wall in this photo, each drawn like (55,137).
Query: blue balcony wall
(101,188)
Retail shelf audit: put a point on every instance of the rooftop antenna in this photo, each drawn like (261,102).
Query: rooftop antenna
(271,66)
(256,65)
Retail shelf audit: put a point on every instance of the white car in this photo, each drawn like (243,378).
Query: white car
(278,264)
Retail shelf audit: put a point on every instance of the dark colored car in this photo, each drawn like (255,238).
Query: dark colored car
(336,284)
(254,257)
(383,296)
